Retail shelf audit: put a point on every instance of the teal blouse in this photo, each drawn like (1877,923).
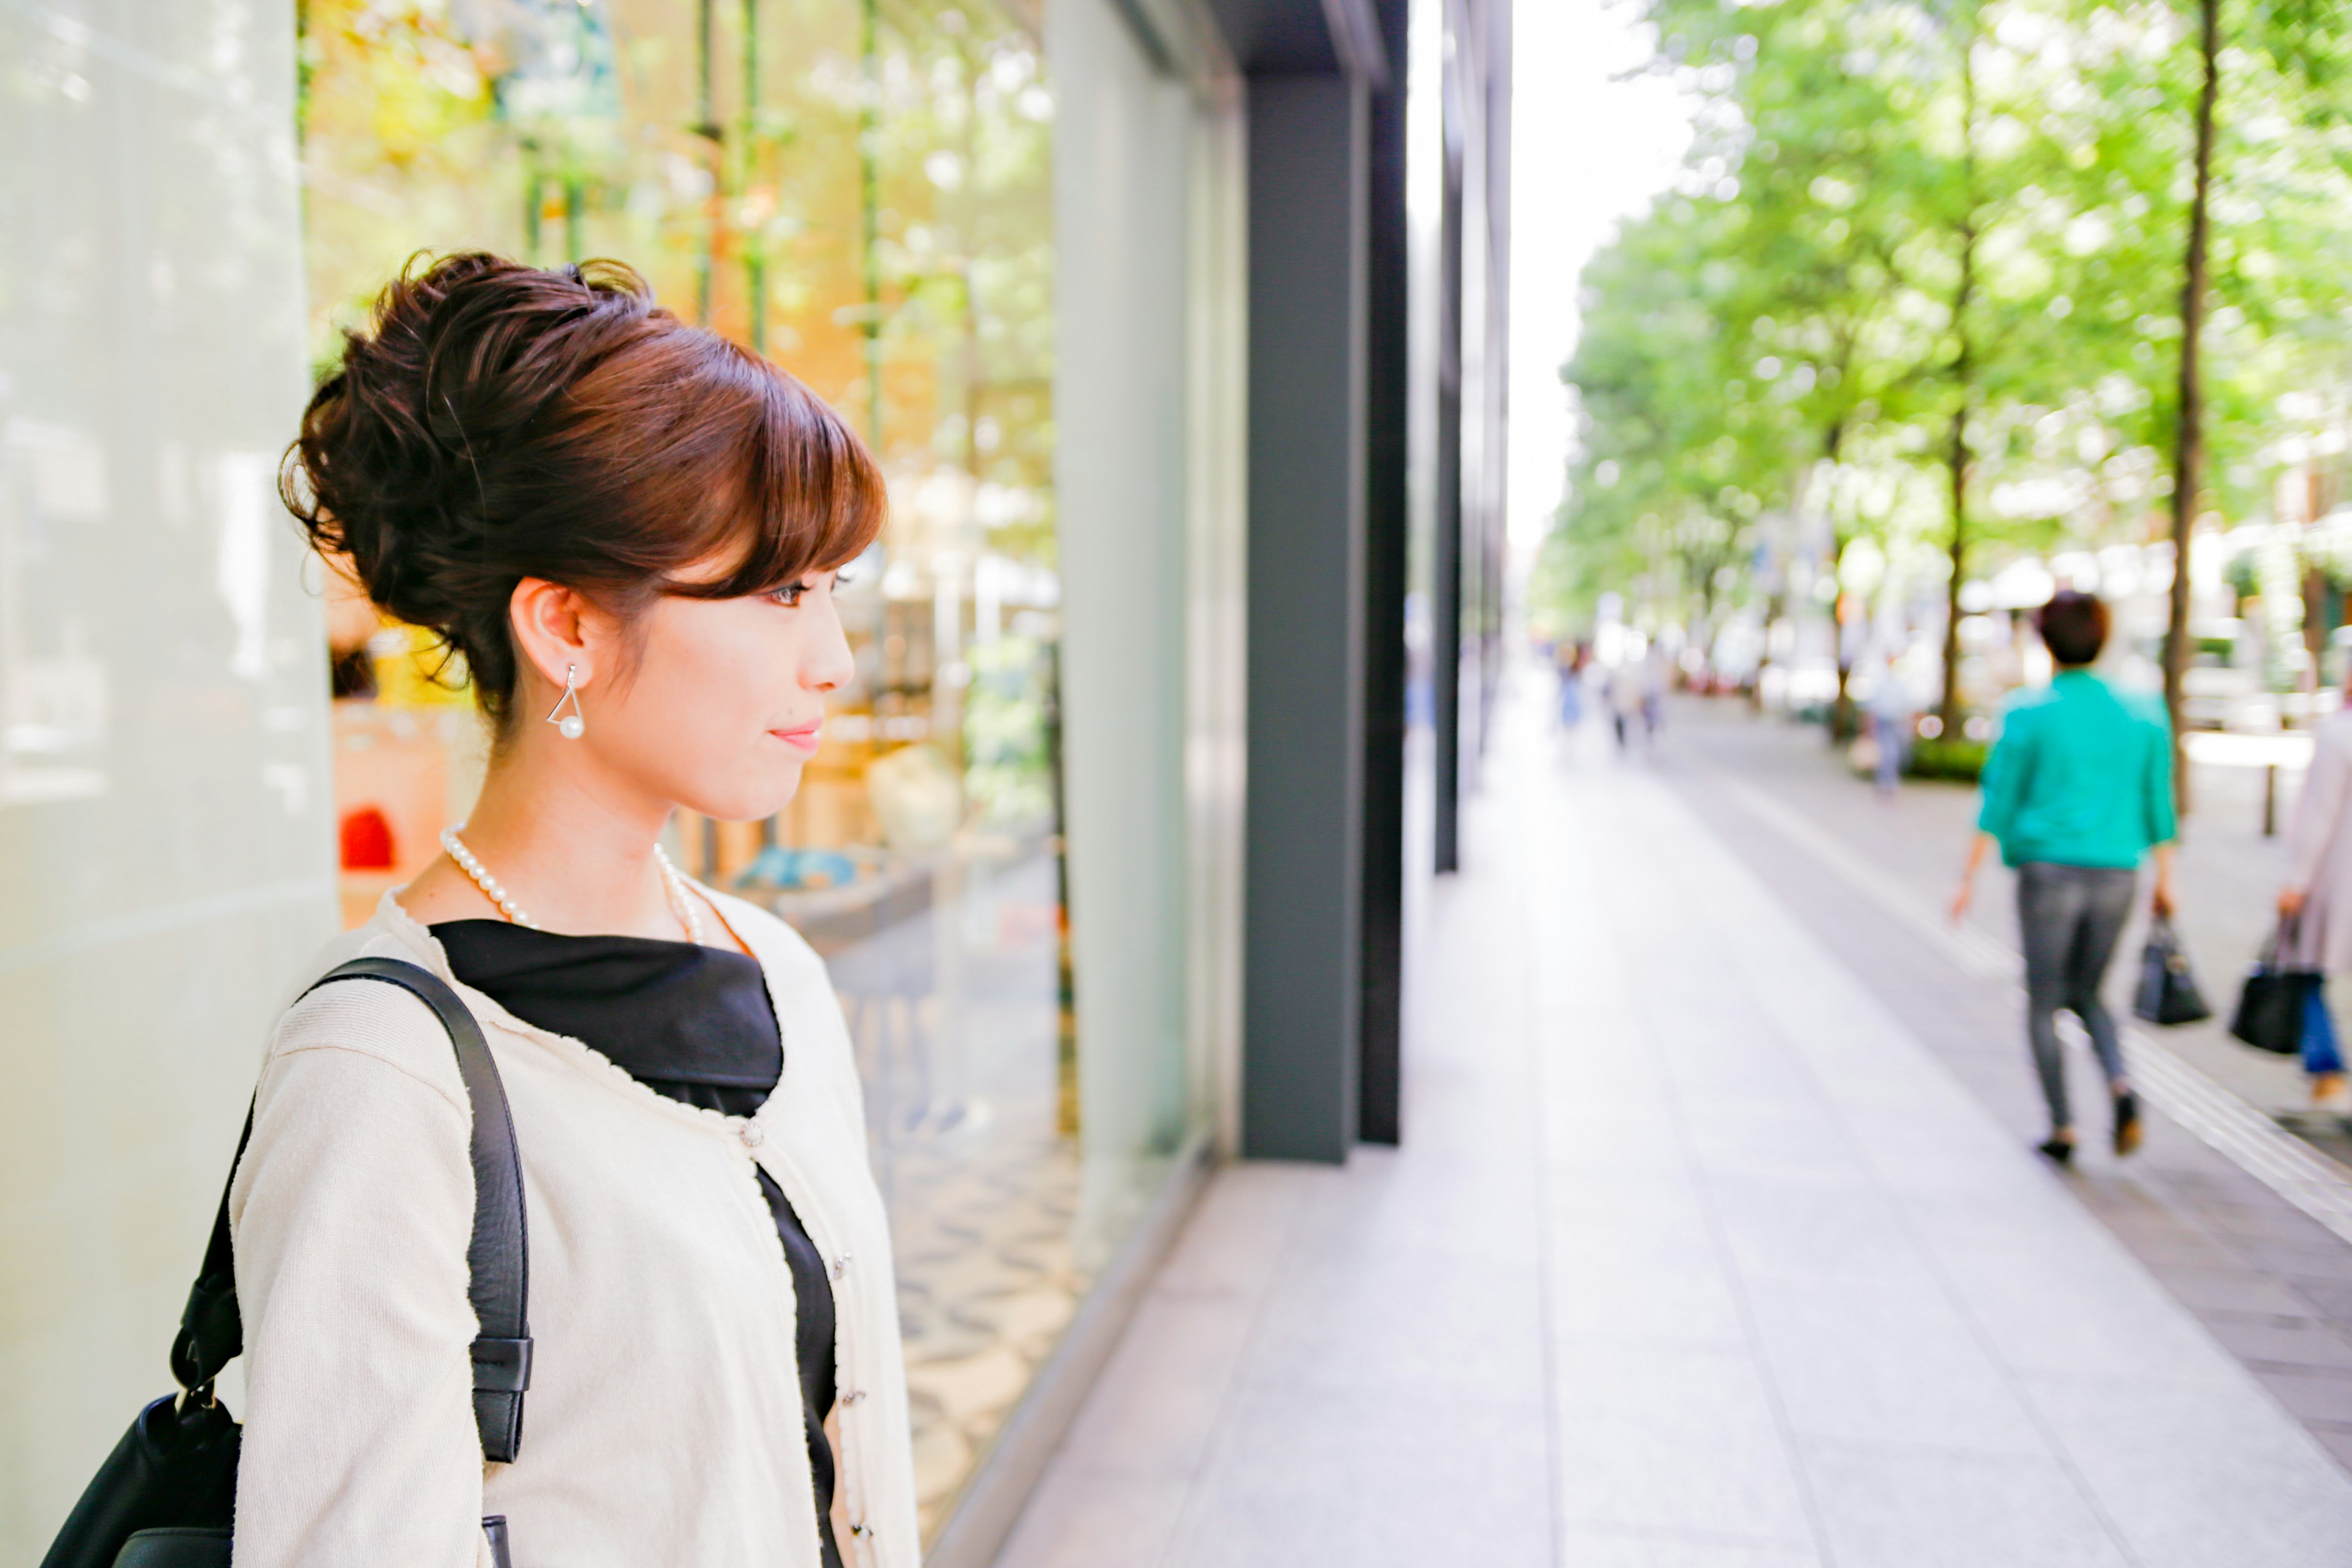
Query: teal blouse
(2081,775)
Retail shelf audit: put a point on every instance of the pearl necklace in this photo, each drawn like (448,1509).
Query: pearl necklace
(681,903)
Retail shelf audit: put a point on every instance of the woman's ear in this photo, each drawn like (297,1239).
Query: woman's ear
(555,631)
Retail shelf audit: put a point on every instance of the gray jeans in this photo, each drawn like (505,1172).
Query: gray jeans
(2071,918)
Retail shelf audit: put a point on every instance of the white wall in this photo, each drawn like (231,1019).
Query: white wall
(165,832)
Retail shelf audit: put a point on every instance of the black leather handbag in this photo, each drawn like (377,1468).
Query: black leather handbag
(2270,1013)
(2168,992)
(166,1498)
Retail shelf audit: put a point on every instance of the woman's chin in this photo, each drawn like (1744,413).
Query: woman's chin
(756,801)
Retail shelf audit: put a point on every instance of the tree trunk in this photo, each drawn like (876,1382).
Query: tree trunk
(2188,437)
(1948,714)
(1842,724)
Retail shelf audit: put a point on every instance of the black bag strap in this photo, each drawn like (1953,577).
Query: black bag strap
(498,1258)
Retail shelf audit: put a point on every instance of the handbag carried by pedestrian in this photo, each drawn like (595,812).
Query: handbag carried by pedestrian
(166,1497)
(2168,992)
(2272,1005)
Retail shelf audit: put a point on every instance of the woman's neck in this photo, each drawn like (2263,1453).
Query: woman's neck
(573,848)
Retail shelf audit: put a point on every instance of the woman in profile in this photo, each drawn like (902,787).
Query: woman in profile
(630,531)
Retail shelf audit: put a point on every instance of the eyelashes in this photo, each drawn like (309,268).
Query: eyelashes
(789,596)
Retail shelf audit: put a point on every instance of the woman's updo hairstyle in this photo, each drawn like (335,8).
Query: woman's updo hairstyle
(494,422)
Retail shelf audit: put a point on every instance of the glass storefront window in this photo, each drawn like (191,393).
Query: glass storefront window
(863,192)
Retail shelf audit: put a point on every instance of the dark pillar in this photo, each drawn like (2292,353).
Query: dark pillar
(1380,1087)
(1445,564)
(1304,906)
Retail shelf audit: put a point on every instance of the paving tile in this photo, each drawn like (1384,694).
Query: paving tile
(2320,1394)
(1242,1226)
(1921,1507)
(2251,1224)
(1772,1140)
(1084,1519)
(2182,1248)
(1152,1410)
(1625,1284)
(2081,1309)
(1387,1320)
(1440,1204)
(1672,1439)
(2192,1475)
(1301,1477)
(1886,1364)
(2243,1289)
(2330,1259)
(2284,1341)
(2331,1298)
(1845,1232)
(1581,1548)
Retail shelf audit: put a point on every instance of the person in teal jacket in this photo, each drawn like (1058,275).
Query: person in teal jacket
(2077,791)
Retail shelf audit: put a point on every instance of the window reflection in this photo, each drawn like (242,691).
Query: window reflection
(862,191)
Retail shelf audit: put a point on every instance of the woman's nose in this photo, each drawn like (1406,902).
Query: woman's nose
(830,663)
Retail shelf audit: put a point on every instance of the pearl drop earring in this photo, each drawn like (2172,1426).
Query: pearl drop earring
(570,726)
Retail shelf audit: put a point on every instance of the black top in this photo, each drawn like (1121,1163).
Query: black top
(689,1022)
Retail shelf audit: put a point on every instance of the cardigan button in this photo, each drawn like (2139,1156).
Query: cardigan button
(853,1397)
(841,1265)
(753,1135)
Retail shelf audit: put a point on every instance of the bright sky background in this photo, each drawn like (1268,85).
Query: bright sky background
(1585,152)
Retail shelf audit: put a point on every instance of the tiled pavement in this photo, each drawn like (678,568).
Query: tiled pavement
(2268,1282)
(1698,1254)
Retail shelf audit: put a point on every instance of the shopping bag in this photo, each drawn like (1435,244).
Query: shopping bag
(2270,1015)
(2168,992)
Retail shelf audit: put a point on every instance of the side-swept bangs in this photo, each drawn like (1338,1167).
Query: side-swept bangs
(715,455)
(790,490)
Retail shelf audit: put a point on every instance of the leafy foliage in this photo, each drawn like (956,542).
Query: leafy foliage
(1773,356)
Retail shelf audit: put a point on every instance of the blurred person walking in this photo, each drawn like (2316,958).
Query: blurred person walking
(1653,694)
(1570,658)
(2077,790)
(1890,727)
(2315,905)
(1628,693)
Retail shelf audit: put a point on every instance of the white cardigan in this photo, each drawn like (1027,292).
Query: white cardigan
(663,1428)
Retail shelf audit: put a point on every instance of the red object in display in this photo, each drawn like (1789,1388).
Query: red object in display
(367,840)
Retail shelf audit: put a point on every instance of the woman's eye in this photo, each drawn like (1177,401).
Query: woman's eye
(789,596)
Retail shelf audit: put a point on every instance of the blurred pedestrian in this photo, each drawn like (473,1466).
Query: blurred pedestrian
(1569,657)
(1890,727)
(2315,905)
(2077,790)
(1653,694)
(1626,691)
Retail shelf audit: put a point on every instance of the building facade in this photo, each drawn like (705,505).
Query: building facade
(1176,326)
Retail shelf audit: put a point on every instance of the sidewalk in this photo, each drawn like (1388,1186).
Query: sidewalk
(1695,1255)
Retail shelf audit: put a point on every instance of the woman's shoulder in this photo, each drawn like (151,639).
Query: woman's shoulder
(365,1018)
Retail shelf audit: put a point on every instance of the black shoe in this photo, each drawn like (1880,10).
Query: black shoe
(2060,1149)
(2126,1122)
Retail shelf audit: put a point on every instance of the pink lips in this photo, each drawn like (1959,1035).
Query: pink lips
(801,736)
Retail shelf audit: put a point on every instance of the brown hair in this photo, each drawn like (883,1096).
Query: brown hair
(493,422)
(2072,626)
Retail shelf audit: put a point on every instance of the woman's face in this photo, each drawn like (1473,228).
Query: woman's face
(721,708)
